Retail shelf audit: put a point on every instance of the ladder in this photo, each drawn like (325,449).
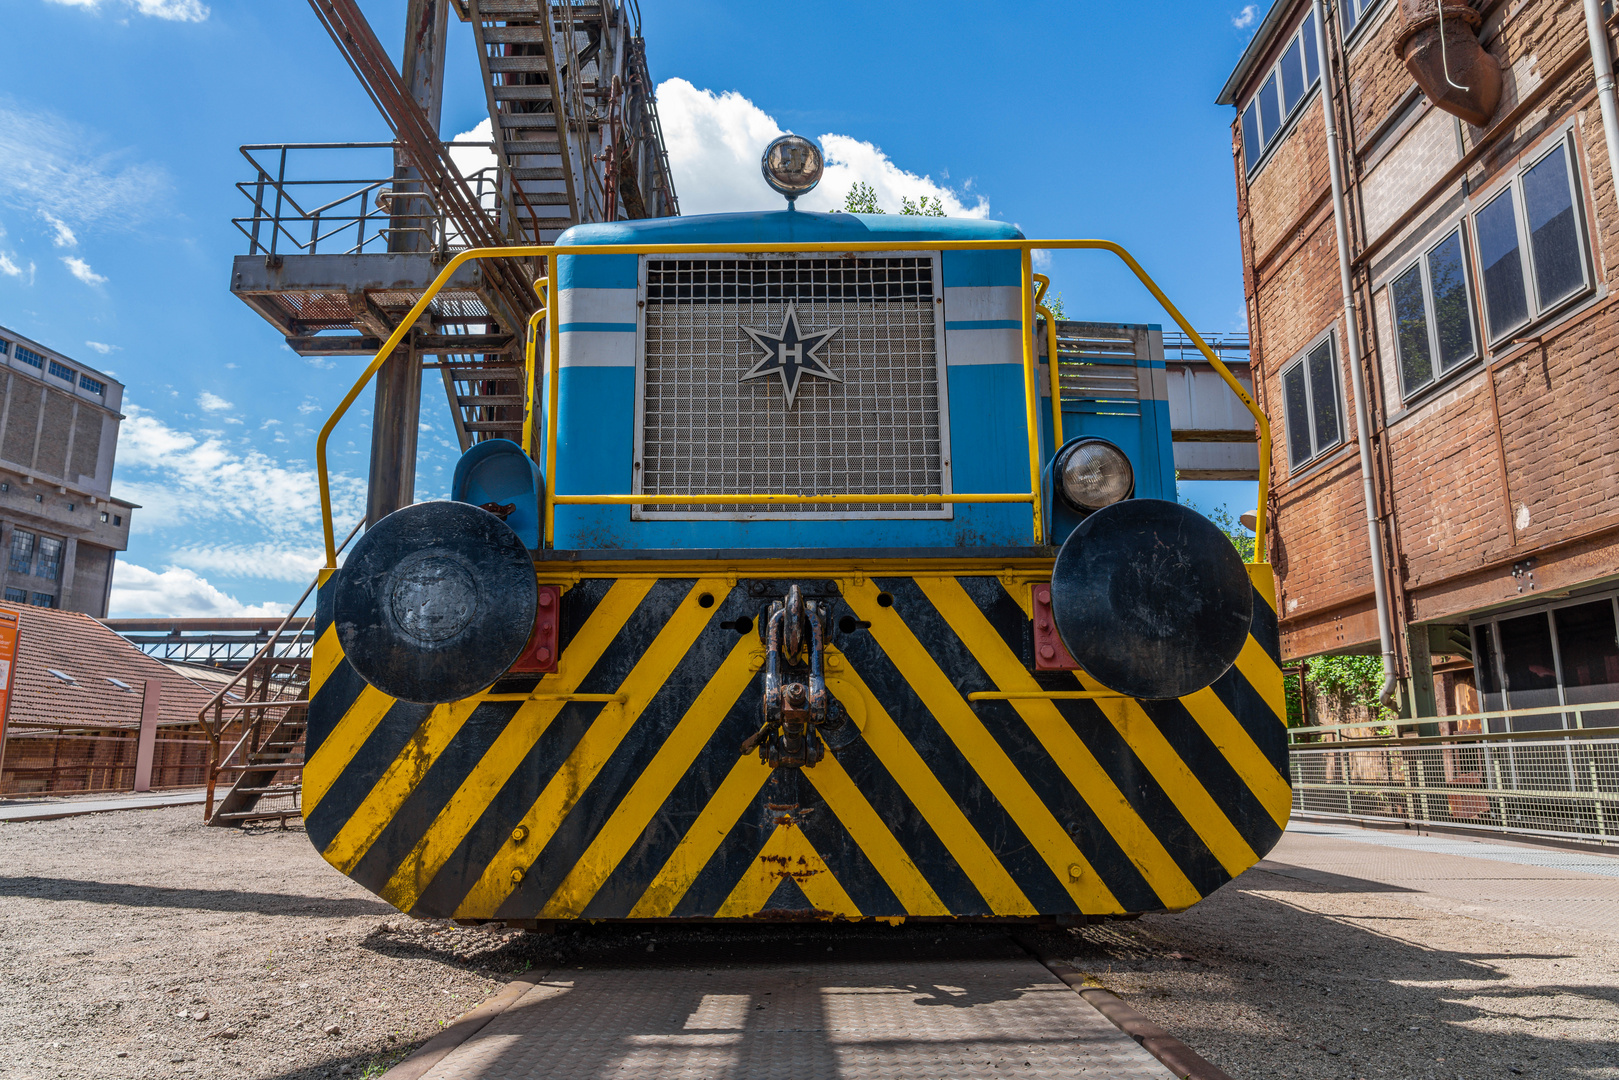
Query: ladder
(542,65)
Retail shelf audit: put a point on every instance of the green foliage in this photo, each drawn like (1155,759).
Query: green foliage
(923,207)
(1235,531)
(1053,303)
(862,199)
(1292,691)
(1350,680)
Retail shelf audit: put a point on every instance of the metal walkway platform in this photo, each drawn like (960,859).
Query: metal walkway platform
(799,1020)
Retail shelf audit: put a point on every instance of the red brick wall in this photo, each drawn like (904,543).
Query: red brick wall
(1439,465)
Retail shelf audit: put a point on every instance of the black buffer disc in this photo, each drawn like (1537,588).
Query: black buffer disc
(435,602)
(1151,599)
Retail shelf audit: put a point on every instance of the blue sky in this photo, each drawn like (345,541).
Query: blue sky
(120,122)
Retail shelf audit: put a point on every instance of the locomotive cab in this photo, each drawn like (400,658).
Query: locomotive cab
(815,593)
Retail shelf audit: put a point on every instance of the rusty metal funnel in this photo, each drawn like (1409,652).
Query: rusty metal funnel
(1450,65)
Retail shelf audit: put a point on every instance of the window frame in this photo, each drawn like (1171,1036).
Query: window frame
(1329,337)
(1274,78)
(1351,30)
(1420,262)
(1512,188)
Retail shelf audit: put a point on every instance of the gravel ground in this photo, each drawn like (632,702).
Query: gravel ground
(1277,977)
(145,945)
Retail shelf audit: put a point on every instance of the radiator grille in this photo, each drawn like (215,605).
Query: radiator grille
(878,431)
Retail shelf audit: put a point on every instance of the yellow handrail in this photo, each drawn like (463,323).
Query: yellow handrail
(551,253)
(1051,361)
(541,289)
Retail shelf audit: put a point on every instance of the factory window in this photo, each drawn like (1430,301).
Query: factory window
(95,386)
(49,566)
(1433,315)
(4,345)
(103,515)
(44,599)
(16,596)
(1288,84)
(1550,659)
(22,550)
(1310,400)
(28,356)
(1531,245)
(63,372)
(1352,11)
(117,519)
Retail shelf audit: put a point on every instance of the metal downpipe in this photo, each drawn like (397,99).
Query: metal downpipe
(1603,62)
(1357,378)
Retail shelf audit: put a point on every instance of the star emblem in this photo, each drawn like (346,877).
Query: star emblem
(790,354)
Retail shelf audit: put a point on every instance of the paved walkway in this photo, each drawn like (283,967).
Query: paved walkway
(1489,877)
(48,809)
(802,1021)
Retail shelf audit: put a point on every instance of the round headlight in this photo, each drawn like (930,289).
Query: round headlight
(792,165)
(1093,474)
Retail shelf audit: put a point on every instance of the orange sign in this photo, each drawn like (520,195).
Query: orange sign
(9,626)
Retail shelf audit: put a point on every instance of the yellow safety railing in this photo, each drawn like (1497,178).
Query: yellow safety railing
(1051,360)
(542,290)
(553,499)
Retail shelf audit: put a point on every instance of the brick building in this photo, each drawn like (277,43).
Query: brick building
(78,702)
(1479,238)
(60,527)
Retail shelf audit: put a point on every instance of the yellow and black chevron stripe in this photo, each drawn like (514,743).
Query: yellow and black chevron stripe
(614,789)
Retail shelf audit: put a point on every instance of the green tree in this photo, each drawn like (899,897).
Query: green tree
(1235,531)
(1053,303)
(862,199)
(923,207)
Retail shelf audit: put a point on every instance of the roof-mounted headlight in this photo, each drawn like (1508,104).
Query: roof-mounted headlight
(792,165)
(1092,473)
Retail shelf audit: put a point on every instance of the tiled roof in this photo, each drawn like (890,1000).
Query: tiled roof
(91,655)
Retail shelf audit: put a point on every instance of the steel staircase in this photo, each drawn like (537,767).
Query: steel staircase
(531,61)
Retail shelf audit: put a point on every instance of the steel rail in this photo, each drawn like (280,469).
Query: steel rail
(1495,714)
(551,253)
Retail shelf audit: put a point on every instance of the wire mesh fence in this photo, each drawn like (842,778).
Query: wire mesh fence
(1562,782)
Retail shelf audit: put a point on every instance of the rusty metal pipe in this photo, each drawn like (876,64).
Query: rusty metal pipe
(1439,43)
(1602,61)
(1357,376)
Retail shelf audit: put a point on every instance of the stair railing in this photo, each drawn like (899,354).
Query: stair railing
(267,682)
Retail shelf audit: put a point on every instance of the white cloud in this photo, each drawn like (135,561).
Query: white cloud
(185,480)
(1243,19)
(177,592)
(173,10)
(81,270)
(64,237)
(101,347)
(52,168)
(8,267)
(714,145)
(309,406)
(276,562)
(212,402)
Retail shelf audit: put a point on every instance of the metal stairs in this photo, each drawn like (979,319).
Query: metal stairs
(271,779)
(540,104)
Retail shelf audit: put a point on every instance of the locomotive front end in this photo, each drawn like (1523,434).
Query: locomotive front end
(826,587)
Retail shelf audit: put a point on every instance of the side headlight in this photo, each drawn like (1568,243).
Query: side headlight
(1092,474)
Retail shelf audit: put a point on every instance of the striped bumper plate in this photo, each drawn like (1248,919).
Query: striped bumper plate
(527,805)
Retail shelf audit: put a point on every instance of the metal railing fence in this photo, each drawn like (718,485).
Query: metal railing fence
(348,198)
(1558,782)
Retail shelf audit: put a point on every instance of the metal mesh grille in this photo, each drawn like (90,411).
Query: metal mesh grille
(1567,786)
(878,431)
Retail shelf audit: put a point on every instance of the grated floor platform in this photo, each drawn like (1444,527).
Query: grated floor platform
(802,1021)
